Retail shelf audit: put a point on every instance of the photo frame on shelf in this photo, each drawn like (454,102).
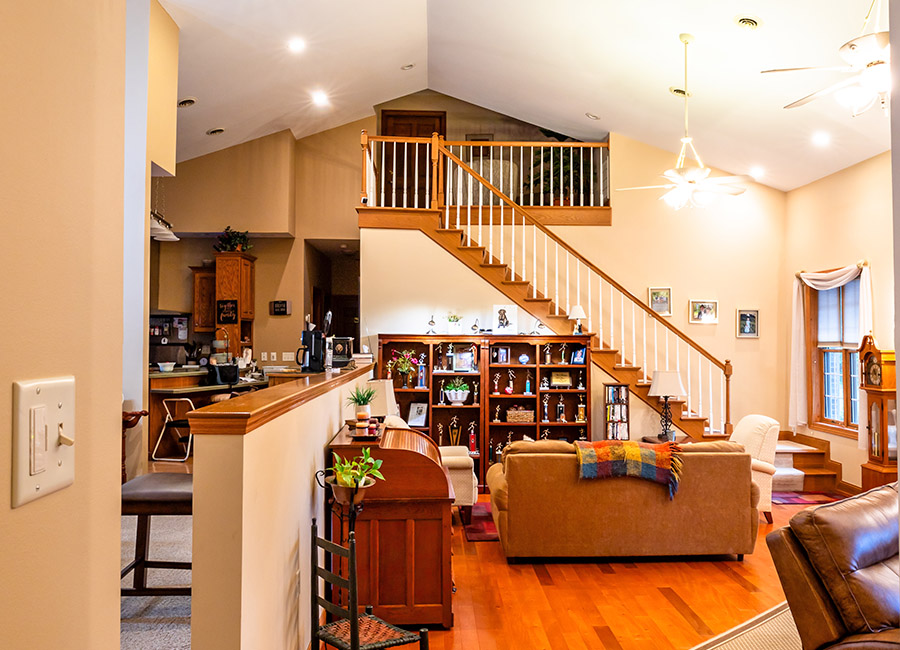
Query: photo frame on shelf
(418,411)
(578,355)
(747,321)
(464,361)
(502,354)
(704,312)
(504,319)
(660,300)
(560,380)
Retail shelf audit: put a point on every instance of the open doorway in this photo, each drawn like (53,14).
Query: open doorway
(332,284)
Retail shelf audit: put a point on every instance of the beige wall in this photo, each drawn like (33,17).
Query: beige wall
(837,221)
(249,186)
(254,500)
(162,88)
(62,281)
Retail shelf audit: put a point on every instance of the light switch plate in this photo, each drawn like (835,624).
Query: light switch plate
(264,356)
(49,405)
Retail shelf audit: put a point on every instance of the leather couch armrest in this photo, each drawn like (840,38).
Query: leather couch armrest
(762,466)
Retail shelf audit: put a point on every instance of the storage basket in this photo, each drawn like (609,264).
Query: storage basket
(515,415)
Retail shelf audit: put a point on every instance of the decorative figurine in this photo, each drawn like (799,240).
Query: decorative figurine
(389,365)
(498,451)
(474,351)
(431,325)
(546,408)
(440,428)
(509,438)
(441,403)
(527,382)
(438,356)
(582,410)
(545,434)
(496,383)
(475,398)
(562,352)
(545,385)
(547,360)
(475,327)
(497,414)
(512,378)
(581,434)
(473,447)
(524,359)
(455,430)
(580,381)
(561,410)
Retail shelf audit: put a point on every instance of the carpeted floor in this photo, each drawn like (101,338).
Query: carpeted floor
(803,498)
(482,528)
(771,630)
(158,622)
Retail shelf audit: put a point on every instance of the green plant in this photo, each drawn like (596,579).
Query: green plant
(565,165)
(232,240)
(457,383)
(361,396)
(353,473)
(453,318)
(405,361)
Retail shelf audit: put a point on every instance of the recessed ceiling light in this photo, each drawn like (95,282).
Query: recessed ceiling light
(821,139)
(748,22)
(186,102)
(408,66)
(319,98)
(757,172)
(296,45)
(591,116)
(216,131)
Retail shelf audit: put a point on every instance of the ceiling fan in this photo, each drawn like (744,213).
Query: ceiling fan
(868,57)
(692,185)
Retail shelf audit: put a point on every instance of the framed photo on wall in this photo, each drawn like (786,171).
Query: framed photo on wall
(660,300)
(705,312)
(504,319)
(747,324)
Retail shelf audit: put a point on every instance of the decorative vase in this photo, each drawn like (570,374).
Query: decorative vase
(454,327)
(405,376)
(456,397)
(347,496)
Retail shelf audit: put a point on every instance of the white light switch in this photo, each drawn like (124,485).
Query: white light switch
(264,356)
(43,437)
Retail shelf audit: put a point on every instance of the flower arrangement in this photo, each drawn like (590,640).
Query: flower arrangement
(453,318)
(405,361)
(457,383)
(232,240)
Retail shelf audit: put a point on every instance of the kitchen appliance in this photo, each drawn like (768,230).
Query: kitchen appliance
(312,351)
(223,374)
(342,350)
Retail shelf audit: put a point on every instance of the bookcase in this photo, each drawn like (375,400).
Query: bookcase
(518,386)
(617,419)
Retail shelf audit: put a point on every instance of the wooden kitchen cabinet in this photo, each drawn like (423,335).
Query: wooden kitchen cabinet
(247,288)
(235,277)
(204,298)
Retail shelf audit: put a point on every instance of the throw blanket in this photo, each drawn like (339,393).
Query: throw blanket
(605,458)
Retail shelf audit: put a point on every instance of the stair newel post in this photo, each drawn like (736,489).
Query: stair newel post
(364,145)
(728,371)
(436,197)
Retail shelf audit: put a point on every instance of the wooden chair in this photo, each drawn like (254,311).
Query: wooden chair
(351,630)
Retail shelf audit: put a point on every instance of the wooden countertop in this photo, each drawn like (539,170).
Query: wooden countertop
(241,415)
(158,374)
(181,390)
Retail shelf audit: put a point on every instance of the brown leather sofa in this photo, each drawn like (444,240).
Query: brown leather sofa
(542,509)
(838,565)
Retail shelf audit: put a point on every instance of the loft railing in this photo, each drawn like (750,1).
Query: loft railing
(511,235)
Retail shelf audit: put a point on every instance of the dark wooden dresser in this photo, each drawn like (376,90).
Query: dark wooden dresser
(403,531)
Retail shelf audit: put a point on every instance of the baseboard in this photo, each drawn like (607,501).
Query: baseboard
(848,489)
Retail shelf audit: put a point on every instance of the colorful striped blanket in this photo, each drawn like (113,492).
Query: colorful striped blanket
(606,458)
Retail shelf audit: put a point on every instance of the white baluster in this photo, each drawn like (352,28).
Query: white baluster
(568,285)
(448,197)
(546,277)
(644,344)
(689,378)
(501,231)
(699,384)
(523,248)
(561,183)
(490,232)
(571,173)
(531,176)
(600,310)
(470,184)
(427,175)
(459,179)
(550,171)
(405,171)
(711,402)
(509,190)
(520,189)
(512,235)
(383,174)
(666,334)
(590,320)
(612,320)
(591,180)
(581,174)
(480,191)
(556,276)
(533,260)
(394,177)
(633,337)
(722,400)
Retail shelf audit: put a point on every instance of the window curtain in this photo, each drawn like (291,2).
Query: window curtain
(797,405)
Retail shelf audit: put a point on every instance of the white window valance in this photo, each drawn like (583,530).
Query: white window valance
(797,404)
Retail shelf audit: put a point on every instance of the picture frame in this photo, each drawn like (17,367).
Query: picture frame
(560,380)
(579,355)
(747,324)
(504,319)
(502,354)
(418,411)
(703,312)
(660,300)
(464,361)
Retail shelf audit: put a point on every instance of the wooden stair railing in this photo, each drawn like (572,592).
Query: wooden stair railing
(508,247)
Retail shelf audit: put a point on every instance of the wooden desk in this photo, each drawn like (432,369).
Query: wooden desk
(403,531)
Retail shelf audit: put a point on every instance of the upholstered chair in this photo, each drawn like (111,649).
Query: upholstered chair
(758,434)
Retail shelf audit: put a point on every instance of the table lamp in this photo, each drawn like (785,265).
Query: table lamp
(576,314)
(384,403)
(666,384)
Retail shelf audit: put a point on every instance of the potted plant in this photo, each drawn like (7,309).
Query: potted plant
(352,477)
(232,240)
(454,324)
(457,390)
(361,397)
(565,165)
(405,362)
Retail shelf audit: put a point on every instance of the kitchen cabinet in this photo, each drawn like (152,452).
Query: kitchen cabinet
(204,298)
(235,277)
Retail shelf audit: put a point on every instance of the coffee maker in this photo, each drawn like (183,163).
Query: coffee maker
(311,355)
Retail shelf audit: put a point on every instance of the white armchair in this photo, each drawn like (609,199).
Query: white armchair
(759,436)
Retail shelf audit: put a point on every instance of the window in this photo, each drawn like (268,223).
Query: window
(833,358)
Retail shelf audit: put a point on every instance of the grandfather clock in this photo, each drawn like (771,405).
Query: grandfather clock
(879,380)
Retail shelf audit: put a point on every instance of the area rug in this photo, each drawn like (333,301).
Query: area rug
(158,622)
(482,528)
(804,498)
(771,630)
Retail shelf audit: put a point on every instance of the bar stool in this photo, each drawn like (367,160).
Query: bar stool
(163,493)
(171,407)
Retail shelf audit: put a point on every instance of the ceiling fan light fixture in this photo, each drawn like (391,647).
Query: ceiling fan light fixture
(857,98)
(876,77)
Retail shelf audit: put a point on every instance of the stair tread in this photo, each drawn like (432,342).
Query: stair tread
(788,471)
(491,265)
(527,299)
(471,248)
(450,230)
(691,417)
(818,471)
(790,447)
(520,282)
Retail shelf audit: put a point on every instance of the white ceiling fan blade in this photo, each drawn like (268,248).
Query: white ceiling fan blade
(673,175)
(841,68)
(866,49)
(825,91)
(646,187)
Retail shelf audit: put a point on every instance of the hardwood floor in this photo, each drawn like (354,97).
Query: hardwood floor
(646,605)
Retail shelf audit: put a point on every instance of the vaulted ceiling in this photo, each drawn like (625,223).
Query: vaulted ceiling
(547,63)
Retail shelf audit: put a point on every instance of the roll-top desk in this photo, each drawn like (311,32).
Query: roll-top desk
(403,531)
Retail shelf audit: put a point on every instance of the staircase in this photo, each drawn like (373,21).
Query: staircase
(503,243)
(803,464)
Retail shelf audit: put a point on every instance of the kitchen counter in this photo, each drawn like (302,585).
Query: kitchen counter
(157,374)
(215,388)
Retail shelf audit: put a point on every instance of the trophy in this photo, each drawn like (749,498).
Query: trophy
(431,325)
(581,434)
(441,403)
(527,382)
(545,434)
(580,381)
(509,386)
(497,414)
(474,351)
(509,438)
(421,371)
(475,398)
(562,352)
(455,430)
(561,410)
(496,383)
(582,410)
(473,447)
(440,428)
(547,354)
(389,365)
(498,451)
(545,385)
(438,356)
(546,408)
(448,359)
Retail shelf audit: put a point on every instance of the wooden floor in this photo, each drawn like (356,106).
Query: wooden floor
(651,605)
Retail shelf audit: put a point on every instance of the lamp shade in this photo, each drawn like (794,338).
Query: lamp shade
(666,383)
(577,312)
(384,403)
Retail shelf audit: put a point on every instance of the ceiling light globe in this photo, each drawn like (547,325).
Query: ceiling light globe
(821,139)
(876,78)
(319,98)
(757,172)
(296,45)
